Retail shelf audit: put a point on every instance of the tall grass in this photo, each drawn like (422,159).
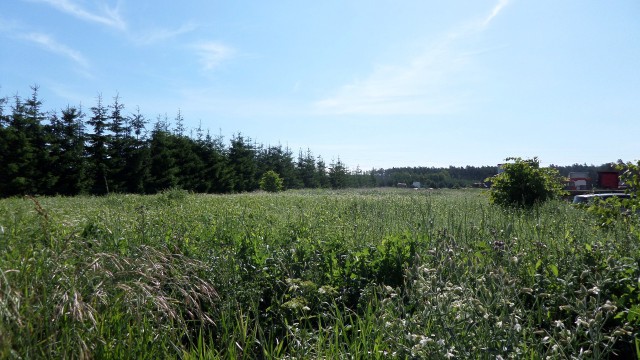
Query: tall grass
(313,274)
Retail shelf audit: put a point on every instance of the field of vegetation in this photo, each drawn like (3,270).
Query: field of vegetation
(355,274)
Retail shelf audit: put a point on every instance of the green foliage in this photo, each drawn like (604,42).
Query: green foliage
(271,182)
(524,183)
(338,175)
(630,176)
(313,274)
(242,157)
(614,210)
(112,152)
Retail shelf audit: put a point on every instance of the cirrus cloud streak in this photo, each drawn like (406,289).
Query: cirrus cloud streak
(432,82)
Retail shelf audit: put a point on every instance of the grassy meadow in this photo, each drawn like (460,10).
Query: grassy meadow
(353,274)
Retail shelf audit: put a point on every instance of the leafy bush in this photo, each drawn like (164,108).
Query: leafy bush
(614,209)
(271,182)
(524,183)
(631,175)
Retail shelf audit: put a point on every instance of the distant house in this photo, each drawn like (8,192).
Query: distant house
(402,185)
(578,180)
(416,185)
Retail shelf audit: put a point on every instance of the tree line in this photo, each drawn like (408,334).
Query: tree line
(110,150)
(469,176)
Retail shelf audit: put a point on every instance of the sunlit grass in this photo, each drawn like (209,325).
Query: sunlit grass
(313,274)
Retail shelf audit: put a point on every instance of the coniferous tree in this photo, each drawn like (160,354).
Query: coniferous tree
(163,170)
(4,147)
(137,155)
(67,152)
(242,160)
(25,162)
(307,171)
(179,129)
(97,151)
(188,160)
(280,160)
(190,176)
(117,147)
(41,176)
(323,176)
(217,173)
(338,175)
(287,168)
(19,156)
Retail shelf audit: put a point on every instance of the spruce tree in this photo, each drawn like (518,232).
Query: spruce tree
(338,175)
(217,173)
(66,152)
(97,151)
(117,147)
(323,176)
(242,159)
(19,152)
(163,170)
(26,153)
(41,177)
(190,176)
(137,155)
(70,164)
(4,147)
(307,171)
(281,161)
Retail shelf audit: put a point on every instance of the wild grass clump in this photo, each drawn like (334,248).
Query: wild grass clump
(314,274)
(76,296)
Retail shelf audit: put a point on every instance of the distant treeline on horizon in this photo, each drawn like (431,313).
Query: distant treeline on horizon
(112,151)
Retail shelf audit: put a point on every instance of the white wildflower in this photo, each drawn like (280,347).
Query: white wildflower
(558,324)
(517,327)
(608,306)
(581,322)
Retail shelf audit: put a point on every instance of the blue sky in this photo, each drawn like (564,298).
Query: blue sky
(377,83)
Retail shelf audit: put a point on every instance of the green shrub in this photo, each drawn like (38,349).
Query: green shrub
(614,210)
(524,183)
(271,182)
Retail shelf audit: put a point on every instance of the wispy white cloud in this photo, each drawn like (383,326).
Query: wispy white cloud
(49,43)
(106,15)
(414,88)
(420,86)
(212,54)
(158,35)
(495,11)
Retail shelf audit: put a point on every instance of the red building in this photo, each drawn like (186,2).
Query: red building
(608,179)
